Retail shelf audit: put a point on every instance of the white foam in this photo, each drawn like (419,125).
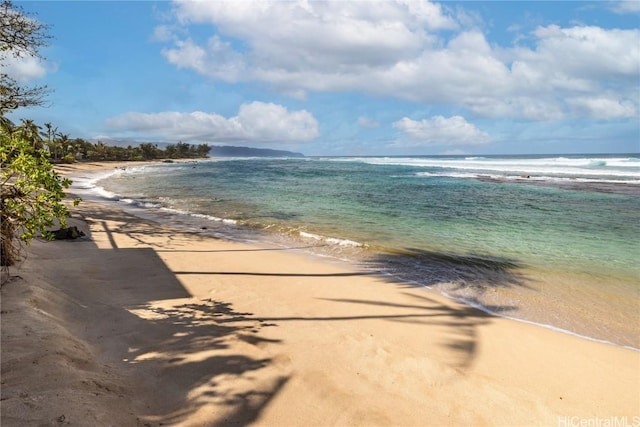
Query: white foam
(622,167)
(541,178)
(203,216)
(139,203)
(332,240)
(86,185)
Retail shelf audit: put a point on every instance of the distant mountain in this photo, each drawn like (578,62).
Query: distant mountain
(229,151)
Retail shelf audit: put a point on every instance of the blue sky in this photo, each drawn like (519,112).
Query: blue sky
(344,77)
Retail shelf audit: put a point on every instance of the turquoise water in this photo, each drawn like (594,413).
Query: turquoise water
(552,240)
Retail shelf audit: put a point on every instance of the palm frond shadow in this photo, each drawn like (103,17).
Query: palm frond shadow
(194,348)
(190,343)
(449,272)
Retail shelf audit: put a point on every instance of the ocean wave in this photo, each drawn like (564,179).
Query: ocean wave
(533,178)
(139,203)
(598,163)
(227,221)
(332,240)
(89,180)
(577,167)
(86,186)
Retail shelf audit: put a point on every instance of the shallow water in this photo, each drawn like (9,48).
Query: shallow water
(548,239)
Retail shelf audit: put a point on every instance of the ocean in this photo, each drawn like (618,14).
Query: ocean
(551,240)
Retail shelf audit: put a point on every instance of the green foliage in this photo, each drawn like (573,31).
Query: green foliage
(31,194)
(182,150)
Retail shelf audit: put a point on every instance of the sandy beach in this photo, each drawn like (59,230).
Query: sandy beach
(140,324)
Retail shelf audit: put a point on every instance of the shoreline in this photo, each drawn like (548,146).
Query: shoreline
(144,324)
(576,323)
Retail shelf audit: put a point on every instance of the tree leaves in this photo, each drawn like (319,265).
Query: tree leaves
(31,194)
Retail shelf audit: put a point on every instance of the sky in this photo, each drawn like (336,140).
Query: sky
(344,78)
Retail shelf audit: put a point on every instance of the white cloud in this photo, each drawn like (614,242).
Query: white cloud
(163,33)
(604,108)
(625,6)
(299,35)
(271,122)
(256,122)
(586,52)
(440,130)
(216,60)
(412,50)
(187,54)
(23,69)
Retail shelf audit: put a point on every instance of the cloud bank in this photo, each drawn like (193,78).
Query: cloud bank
(256,122)
(412,50)
(439,130)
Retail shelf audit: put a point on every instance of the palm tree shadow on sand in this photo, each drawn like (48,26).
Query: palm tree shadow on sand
(469,278)
(198,347)
(197,350)
(466,277)
(199,340)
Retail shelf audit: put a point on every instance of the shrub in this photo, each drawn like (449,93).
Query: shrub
(31,194)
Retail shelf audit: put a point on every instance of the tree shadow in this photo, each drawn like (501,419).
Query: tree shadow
(466,277)
(460,323)
(183,354)
(137,229)
(463,276)
(257,273)
(194,348)
(198,350)
(470,279)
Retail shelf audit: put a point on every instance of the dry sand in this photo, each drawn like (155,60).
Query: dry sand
(139,324)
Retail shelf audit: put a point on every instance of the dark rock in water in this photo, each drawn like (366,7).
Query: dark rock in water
(68,233)
(167,161)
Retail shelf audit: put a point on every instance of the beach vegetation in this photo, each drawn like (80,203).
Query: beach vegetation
(82,150)
(31,192)
(62,148)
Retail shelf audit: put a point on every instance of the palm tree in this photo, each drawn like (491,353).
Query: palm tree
(30,131)
(101,151)
(64,142)
(51,143)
